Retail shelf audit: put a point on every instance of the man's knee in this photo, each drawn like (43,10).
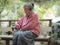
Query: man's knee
(17,34)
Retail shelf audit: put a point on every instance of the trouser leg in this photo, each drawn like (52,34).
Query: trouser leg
(15,38)
(26,38)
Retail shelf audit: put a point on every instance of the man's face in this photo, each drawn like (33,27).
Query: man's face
(27,11)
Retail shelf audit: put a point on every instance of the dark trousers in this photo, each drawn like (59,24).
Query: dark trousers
(24,38)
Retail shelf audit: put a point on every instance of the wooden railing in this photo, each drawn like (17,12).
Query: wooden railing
(50,21)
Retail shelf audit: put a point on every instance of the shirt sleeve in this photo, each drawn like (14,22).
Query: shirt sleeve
(32,22)
(18,25)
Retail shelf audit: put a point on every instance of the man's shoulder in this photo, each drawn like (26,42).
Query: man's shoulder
(35,14)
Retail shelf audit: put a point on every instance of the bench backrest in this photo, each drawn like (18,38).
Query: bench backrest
(5,29)
(43,29)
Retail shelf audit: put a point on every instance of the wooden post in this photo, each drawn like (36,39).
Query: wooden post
(9,23)
(50,23)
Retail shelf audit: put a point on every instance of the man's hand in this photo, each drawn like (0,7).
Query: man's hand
(14,31)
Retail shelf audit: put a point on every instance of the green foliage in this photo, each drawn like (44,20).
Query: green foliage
(20,10)
(39,10)
(37,0)
(5,2)
(25,0)
(41,7)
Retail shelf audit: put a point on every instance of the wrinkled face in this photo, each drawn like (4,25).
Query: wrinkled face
(27,11)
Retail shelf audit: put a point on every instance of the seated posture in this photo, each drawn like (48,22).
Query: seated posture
(28,28)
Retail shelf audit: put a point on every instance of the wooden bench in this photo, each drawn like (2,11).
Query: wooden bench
(7,38)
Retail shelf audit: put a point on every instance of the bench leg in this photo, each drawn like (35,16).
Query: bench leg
(7,42)
(49,42)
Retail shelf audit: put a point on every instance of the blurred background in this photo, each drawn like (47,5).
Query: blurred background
(13,9)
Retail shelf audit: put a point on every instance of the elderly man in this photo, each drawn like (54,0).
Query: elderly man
(28,28)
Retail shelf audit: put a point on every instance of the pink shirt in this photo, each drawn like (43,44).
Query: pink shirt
(32,23)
